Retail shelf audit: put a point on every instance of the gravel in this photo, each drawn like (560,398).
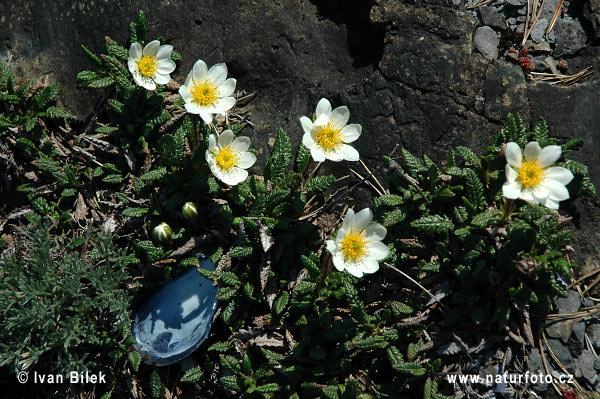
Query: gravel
(487,41)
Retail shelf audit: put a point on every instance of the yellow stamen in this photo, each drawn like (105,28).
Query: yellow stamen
(354,245)
(226,158)
(530,173)
(148,65)
(205,93)
(328,137)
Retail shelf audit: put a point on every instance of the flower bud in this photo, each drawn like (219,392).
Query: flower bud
(162,232)
(189,210)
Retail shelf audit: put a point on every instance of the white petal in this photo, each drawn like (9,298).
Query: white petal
(362,219)
(151,48)
(347,223)
(317,154)
(532,150)
(370,265)
(135,51)
(511,190)
(339,236)
(560,174)
(206,117)
(144,81)
(165,67)
(527,195)
(212,142)
(378,250)
(247,159)
(164,52)
(227,87)
(189,81)
(349,153)
(199,71)
(335,155)
(241,143)
(540,192)
(307,125)
(351,132)
(217,73)
(340,116)
(375,232)
(551,204)
(549,155)
(308,141)
(226,138)
(354,270)
(161,79)
(224,104)
(235,176)
(323,107)
(513,154)
(338,261)
(322,119)
(210,159)
(193,108)
(132,65)
(511,174)
(558,191)
(184,92)
(330,245)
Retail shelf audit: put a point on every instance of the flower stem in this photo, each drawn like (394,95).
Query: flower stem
(508,207)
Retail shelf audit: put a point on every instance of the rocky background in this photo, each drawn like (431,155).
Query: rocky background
(426,75)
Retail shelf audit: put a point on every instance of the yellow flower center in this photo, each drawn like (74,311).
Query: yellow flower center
(530,174)
(226,158)
(354,245)
(205,93)
(328,137)
(148,65)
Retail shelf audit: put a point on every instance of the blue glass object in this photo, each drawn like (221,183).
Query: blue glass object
(177,318)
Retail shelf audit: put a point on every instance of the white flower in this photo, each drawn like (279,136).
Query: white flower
(358,247)
(328,136)
(208,91)
(162,232)
(151,65)
(531,177)
(228,158)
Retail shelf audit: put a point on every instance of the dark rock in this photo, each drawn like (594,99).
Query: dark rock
(593,332)
(561,329)
(505,91)
(591,12)
(535,361)
(492,17)
(561,352)
(537,33)
(570,304)
(486,41)
(570,37)
(579,332)
(597,364)
(585,365)
(515,3)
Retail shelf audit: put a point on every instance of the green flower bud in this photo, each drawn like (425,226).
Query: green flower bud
(162,232)
(189,210)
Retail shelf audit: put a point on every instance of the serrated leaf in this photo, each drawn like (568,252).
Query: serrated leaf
(240,252)
(281,302)
(95,59)
(433,224)
(102,83)
(134,359)
(319,184)
(135,212)
(157,388)
(220,346)
(280,158)
(474,189)
(413,163)
(154,175)
(267,388)
(112,179)
(193,375)
(229,382)
(469,156)
(58,113)
(485,218)
(389,200)
(231,364)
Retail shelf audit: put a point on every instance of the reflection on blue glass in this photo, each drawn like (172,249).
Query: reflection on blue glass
(177,318)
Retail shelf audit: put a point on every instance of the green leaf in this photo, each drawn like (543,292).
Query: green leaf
(231,364)
(267,388)
(192,375)
(58,113)
(302,158)
(486,218)
(281,302)
(413,163)
(84,78)
(91,56)
(240,252)
(469,156)
(220,346)
(102,83)
(112,179)
(540,132)
(45,95)
(157,388)
(280,158)
(400,309)
(134,359)
(393,217)
(576,167)
(474,189)
(154,175)
(141,27)
(319,184)
(226,294)
(229,382)
(433,224)
(135,212)
(389,200)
